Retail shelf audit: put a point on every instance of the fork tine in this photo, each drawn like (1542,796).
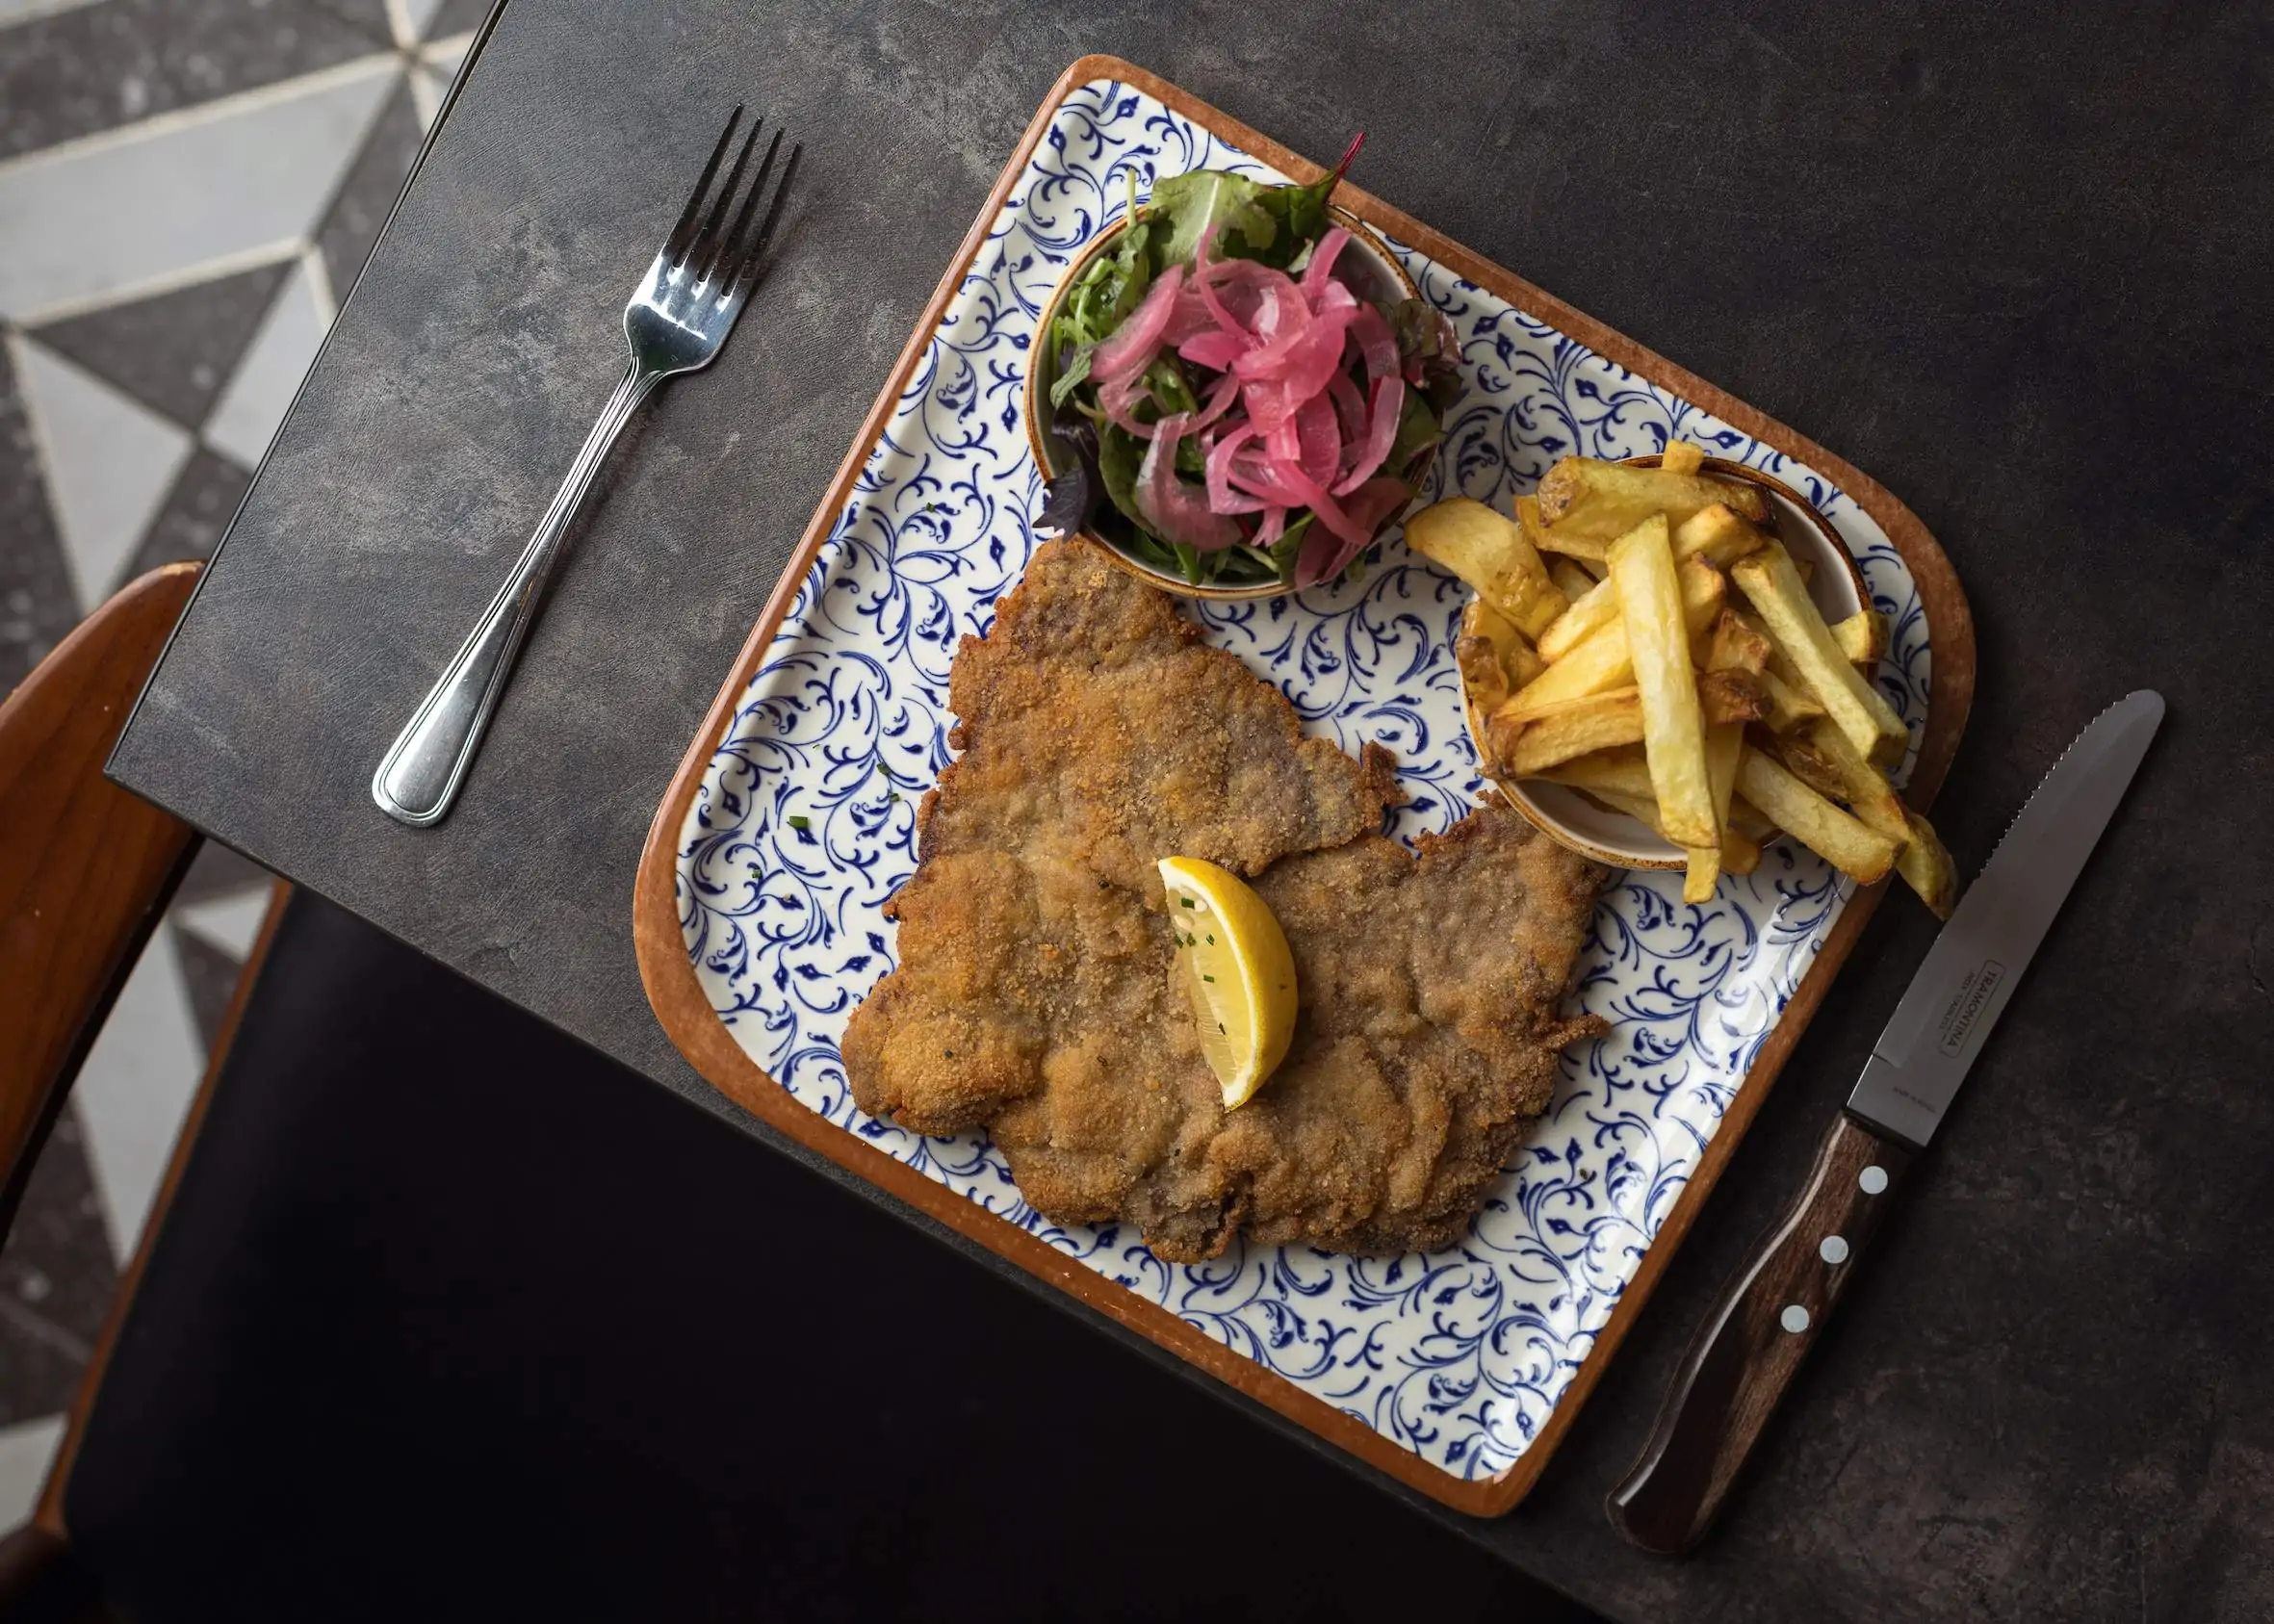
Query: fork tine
(703,252)
(726,253)
(746,271)
(682,234)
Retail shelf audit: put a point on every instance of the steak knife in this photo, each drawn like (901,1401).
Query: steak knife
(1768,1314)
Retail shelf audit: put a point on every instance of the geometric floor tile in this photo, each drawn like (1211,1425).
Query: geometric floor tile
(186,189)
(109,460)
(190,522)
(25,1452)
(229,922)
(170,200)
(135,1088)
(364,198)
(96,67)
(13,12)
(209,978)
(57,1278)
(258,394)
(172,352)
(37,605)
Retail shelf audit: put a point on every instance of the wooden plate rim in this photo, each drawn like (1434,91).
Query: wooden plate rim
(688,1018)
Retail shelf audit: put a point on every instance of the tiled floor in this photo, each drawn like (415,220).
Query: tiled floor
(187,189)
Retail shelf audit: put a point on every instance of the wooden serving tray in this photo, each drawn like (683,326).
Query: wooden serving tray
(756,921)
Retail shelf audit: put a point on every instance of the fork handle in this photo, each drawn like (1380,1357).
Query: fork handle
(423,769)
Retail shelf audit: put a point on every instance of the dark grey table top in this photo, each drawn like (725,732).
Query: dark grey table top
(2012,261)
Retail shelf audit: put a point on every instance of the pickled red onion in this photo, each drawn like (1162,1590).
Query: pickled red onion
(1175,511)
(1382,430)
(1131,349)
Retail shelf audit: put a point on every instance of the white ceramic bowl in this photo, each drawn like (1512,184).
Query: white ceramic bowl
(1837,585)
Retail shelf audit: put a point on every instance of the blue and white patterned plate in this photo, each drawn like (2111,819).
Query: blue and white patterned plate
(804,824)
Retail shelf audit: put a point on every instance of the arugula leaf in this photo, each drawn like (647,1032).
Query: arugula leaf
(1120,454)
(1184,206)
(1289,547)
(1165,380)
(1071,376)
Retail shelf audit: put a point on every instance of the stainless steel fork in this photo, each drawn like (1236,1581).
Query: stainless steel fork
(675,323)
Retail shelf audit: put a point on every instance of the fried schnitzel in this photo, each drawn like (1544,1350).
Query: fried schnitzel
(1037,996)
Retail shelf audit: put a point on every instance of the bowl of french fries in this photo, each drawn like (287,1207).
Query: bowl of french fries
(1670,663)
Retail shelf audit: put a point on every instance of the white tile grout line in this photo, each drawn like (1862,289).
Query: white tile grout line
(456,45)
(13,12)
(320,290)
(399,25)
(207,112)
(43,461)
(164,282)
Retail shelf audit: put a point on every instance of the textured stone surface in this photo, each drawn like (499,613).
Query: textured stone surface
(2010,261)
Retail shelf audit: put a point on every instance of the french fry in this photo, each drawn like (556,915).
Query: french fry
(1788,705)
(1682,457)
(1526,746)
(1745,818)
(1734,645)
(1570,580)
(1713,534)
(1814,821)
(1739,853)
(1623,771)
(1482,680)
(1583,499)
(1774,587)
(1650,607)
(1588,613)
(1601,660)
(1801,757)
(1862,638)
(1862,785)
(1925,865)
(1518,664)
(1488,551)
(1718,535)
(1587,554)
(1738,697)
(1724,742)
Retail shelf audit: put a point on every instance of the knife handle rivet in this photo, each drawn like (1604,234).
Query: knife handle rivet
(1871,1180)
(1833,1249)
(1793,1319)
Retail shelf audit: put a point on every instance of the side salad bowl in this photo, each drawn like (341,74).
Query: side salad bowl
(1365,264)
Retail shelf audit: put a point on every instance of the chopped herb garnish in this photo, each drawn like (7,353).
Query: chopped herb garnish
(1209,979)
(1211,940)
(800,822)
(1186,901)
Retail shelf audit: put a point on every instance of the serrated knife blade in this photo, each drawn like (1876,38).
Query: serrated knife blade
(1961,989)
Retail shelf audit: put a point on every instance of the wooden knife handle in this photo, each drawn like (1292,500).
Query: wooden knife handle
(1753,1340)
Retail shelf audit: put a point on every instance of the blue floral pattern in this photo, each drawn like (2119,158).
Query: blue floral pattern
(804,825)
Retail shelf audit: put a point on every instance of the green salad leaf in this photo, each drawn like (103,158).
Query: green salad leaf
(1184,206)
(1418,430)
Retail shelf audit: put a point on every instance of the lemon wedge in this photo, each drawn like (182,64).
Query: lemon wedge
(1238,970)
